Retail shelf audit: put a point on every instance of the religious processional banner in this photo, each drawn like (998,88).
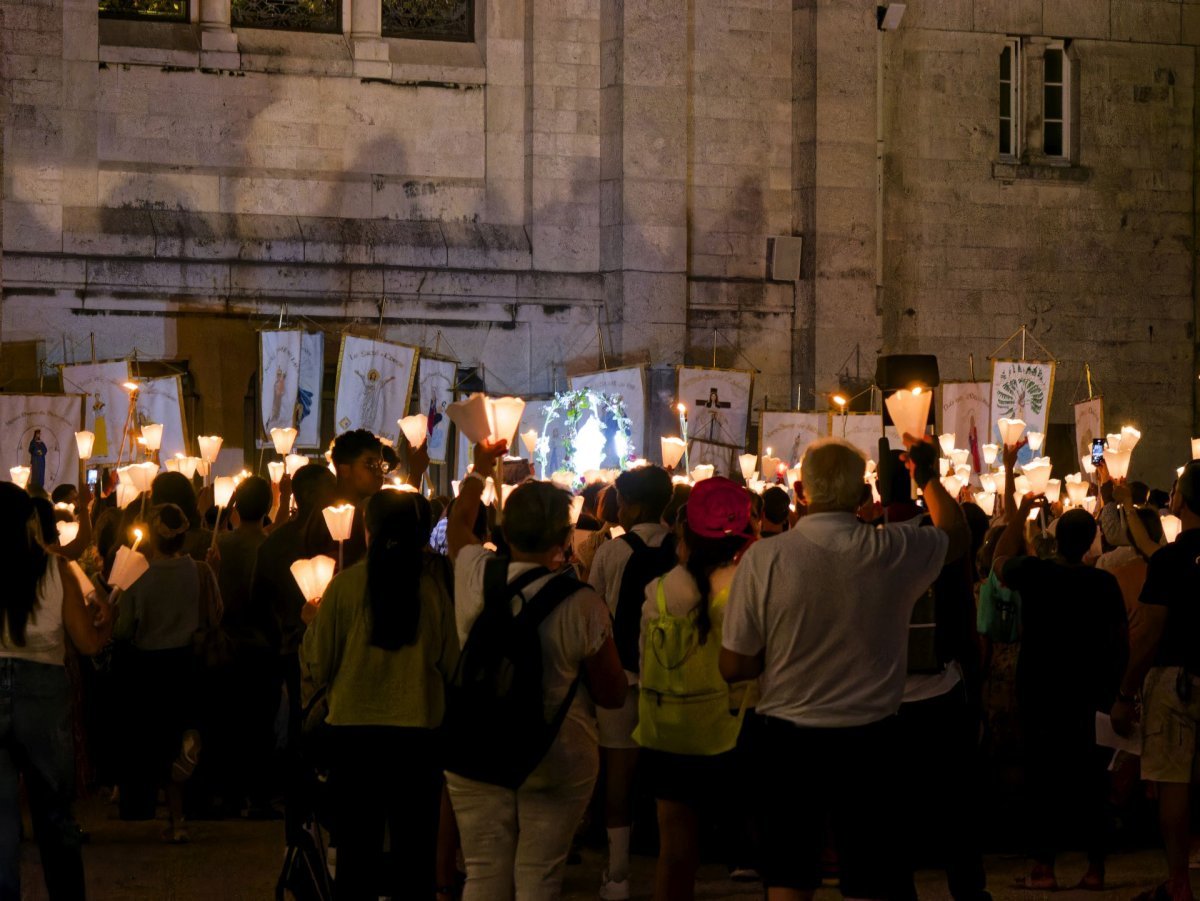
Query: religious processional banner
(630,384)
(374,382)
(1021,389)
(38,431)
(788,435)
(435,391)
(1089,424)
(106,405)
(967,412)
(291,369)
(161,400)
(863,430)
(279,377)
(534,417)
(718,410)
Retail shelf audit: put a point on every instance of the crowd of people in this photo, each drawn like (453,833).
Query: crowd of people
(818,682)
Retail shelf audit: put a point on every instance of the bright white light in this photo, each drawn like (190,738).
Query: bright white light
(621,444)
(589,447)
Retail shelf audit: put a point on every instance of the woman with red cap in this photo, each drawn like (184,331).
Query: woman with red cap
(685,725)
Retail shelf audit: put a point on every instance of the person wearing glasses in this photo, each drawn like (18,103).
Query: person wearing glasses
(359,466)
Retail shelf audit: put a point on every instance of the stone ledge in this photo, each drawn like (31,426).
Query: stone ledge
(180,235)
(1041,172)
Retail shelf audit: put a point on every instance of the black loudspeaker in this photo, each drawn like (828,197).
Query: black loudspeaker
(896,371)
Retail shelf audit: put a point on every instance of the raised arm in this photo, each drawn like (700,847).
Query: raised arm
(460,526)
(947,515)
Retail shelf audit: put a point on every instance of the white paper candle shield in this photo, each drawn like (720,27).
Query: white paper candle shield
(127,568)
(910,411)
(293,463)
(1196,448)
(1035,441)
(960,457)
(1054,490)
(1171,527)
(152,433)
(84,441)
(1118,462)
(1089,503)
(988,483)
(275,469)
(126,494)
(672,452)
(67,532)
(505,491)
(1037,472)
(963,473)
(504,417)
(990,451)
(283,439)
(1088,466)
(1113,440)
(986,501)
(943,467)
(564,479)
(1129,437)
(1021,485)
(747,462)
(952,485)
(313,576)
(86,588)
(946,442)
(530,440)
(223,488)
(340,520)
(770,468)
(171,464)
(210,446)
(139,475)
(188,465)
(702,472)
(415,429)
(19,476)
(1077,489)
(470,415)
(1011,431)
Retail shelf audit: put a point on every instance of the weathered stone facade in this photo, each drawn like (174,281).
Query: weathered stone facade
(615,168)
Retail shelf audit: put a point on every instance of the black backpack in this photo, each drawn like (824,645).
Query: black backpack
(495,726)
(645,565)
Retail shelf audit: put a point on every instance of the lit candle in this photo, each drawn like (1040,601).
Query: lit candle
(687,464)
(283,439)
(137,539)
(152,433)
(84,441)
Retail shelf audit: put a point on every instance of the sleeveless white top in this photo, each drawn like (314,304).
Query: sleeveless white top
(45,640)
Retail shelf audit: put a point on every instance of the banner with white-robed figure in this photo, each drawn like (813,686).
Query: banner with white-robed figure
(374,382)
(308,391)
(161,400)
(967,413)
(628,383)
(788,434)
(106,406)
(718,410)
(38,431)
(279,377)
(435,392)
(1089,424)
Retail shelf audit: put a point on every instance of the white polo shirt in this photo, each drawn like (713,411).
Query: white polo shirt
(830,602)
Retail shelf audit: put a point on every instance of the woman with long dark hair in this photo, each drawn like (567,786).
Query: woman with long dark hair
(40,606)
(686,727)
(382,644)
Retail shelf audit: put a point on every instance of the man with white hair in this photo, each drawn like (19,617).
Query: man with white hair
(820,615)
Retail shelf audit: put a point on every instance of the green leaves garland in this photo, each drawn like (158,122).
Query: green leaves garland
(573,407)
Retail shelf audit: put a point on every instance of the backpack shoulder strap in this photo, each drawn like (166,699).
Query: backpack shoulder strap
(553,593)
(661,597)
(634,541)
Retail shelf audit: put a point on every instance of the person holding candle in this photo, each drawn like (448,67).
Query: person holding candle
(521,836)
(820,617)
(1074,644)
(1164,667)
(383,643)
(360,468)
(158,617)
(175,488)
(40,607)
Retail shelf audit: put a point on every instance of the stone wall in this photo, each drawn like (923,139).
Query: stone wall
(614,169)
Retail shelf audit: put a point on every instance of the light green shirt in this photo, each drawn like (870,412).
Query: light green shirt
(369,686)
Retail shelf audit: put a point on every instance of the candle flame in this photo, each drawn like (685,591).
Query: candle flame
(681,408)
(839,400)
(130,386)
(137,533)
(916,390)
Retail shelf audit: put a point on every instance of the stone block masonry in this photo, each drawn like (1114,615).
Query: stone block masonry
(614,167)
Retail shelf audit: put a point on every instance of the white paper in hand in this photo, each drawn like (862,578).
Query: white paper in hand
(1106,737)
